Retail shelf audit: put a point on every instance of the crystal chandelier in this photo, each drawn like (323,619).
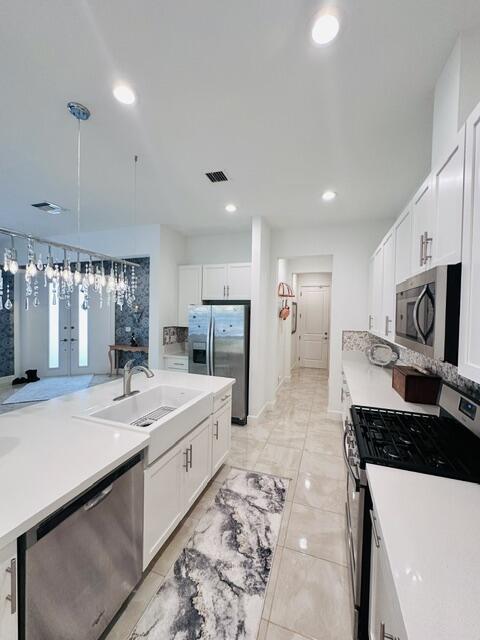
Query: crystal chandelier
(66,275)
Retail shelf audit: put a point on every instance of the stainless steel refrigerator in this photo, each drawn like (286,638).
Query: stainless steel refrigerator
(218,345)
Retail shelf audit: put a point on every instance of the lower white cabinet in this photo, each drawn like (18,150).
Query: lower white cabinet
(175,363)
(8,592)
(175,480)
(197,464)
(221,434)
(385,620)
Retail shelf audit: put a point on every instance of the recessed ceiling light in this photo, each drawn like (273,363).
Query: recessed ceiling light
(230,208)
(328,196)
(325,28)
(124,94)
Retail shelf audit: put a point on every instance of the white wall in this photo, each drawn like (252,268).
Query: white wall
(218,248)
(165,248)
(350,248)
(262,364)
(311,264)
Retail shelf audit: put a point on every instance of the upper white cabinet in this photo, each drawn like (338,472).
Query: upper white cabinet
(388,286)
(221,434)
(469,352)
(189,290)
(239,285)
(403,243)
(214,281)
(227,281)
(448,189)
(8,592)
(423,227)
(377,281)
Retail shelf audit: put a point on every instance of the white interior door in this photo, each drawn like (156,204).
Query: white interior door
(314,326)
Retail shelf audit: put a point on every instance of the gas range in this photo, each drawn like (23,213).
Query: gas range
(437,445)
(445,445)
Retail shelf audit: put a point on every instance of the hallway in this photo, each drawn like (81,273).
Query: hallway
(308,595)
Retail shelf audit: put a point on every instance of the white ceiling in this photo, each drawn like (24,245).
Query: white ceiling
(231,85)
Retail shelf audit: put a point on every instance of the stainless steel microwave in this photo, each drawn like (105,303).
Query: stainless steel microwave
(428,311)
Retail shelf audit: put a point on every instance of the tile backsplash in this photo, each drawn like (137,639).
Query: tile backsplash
(7,357)
(174,335)
(362,340)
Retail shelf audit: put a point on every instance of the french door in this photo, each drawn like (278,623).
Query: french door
(78,337)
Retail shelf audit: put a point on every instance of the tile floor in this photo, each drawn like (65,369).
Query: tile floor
(308,596)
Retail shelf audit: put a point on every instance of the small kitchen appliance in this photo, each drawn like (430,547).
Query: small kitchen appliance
(415,386)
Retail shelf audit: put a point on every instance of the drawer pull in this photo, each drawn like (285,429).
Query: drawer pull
(224,398)
(376,537)
(12,596)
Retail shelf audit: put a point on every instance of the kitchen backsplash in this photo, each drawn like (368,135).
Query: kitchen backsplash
(174,335)
(362,340)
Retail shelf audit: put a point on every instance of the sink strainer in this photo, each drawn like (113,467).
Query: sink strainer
(153,416)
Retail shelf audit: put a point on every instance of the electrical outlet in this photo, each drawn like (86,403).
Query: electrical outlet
(128,329)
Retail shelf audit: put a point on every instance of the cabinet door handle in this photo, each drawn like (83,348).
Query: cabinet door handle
(224,291)
(185,466)
(427,242)
(191,454)
(387,324)
(384,635)
(370,320)
(422,250)
(216,430)
(228,290)
(376,537)
(12,596)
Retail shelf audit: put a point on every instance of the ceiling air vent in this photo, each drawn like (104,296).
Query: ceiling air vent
(216,176)
(49,207)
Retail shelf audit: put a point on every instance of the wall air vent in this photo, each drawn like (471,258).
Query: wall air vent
(216,176)
(49,207)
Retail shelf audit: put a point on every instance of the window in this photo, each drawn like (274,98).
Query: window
(53,330)
(82,331)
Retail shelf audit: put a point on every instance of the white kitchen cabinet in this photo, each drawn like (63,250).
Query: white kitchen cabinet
(214,282)
(197,472)
(469,348)
(403,246)
(448,189)
(189,290)
(221,435)
(371,267)
(175,363)
(385,618)
(423,227)
(377,291)
(239,285)
(227,281)
(8,592)
(387,327)
(163,500)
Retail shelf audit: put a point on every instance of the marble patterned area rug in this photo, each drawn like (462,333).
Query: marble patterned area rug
(216,588)
(49,388)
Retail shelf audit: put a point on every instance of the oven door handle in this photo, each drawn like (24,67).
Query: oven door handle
(416,309)
(355,478)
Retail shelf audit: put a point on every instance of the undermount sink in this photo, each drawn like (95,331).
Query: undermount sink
(167,413)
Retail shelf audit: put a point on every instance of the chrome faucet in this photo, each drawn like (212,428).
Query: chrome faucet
(128,370)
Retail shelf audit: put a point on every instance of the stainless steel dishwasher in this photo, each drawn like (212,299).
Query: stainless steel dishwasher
(79,565)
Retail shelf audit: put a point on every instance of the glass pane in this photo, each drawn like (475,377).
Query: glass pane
(82,331)
(53,331)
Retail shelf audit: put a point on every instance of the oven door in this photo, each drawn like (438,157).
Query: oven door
(420,312)
(354,508)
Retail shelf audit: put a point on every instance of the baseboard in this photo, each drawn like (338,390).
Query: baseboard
(6,381)
(254,419)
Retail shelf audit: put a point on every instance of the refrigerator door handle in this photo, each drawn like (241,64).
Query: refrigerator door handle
(208,345)
(212,346)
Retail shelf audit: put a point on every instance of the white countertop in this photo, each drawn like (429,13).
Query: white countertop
(431,530)
(47,456)
(371,386)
